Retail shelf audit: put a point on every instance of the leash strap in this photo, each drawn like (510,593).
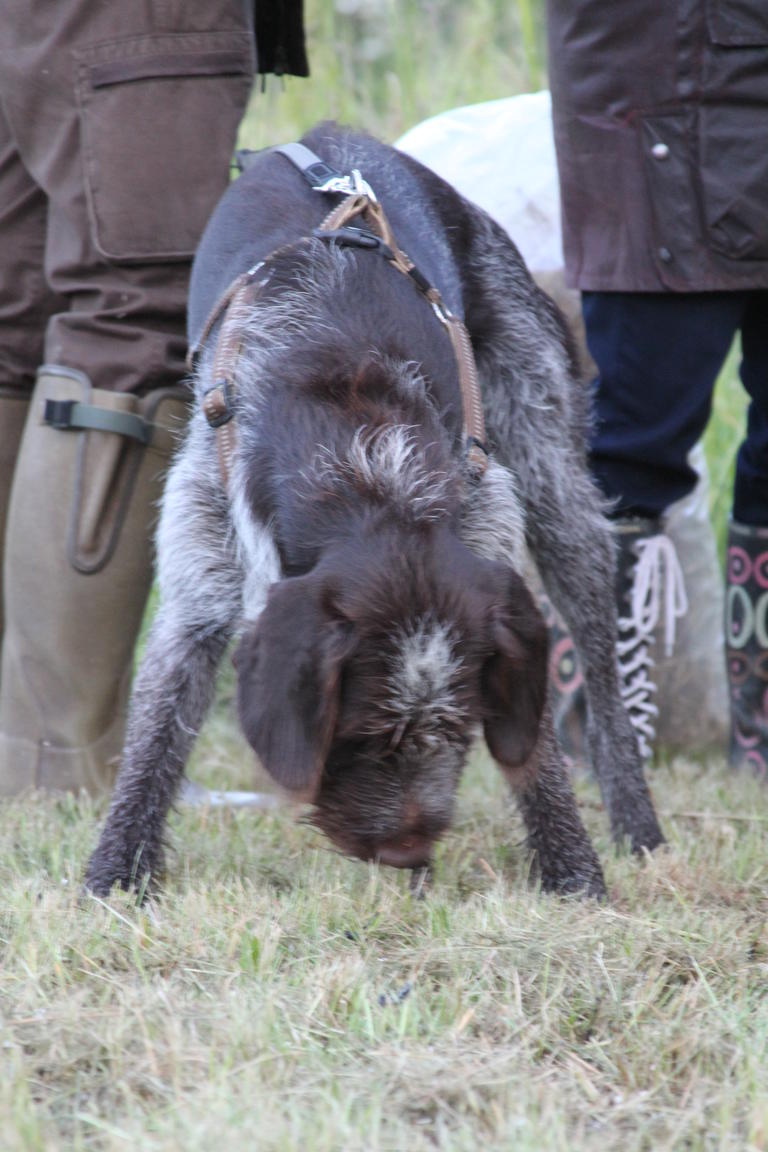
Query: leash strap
(336,229)
(218,402)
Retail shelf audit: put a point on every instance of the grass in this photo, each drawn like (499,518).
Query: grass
(387,64)
(281,997)
(721,442)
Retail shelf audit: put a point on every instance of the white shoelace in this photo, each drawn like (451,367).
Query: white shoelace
(657,570)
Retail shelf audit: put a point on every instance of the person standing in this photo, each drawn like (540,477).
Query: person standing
(661,130)
(117,125)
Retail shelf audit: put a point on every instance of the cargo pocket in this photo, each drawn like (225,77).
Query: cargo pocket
(159,116)
(733,130)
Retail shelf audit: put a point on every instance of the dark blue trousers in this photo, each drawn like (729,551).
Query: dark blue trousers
(658,357)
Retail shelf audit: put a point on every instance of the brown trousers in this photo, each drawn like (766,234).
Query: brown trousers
(117,123)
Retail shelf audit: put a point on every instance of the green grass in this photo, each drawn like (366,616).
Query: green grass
(721,442)
(281,997)
(387,64)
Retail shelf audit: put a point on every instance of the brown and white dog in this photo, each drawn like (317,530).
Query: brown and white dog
(374,582)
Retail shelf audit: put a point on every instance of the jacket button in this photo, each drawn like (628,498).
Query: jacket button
(665,255)
(659,151)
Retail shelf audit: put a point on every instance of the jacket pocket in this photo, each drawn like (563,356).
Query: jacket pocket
(733,157)
(738,23)
(159,116)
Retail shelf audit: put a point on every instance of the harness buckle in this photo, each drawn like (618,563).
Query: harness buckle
(319,174)
(340,184)
(362,187)
(217,404)
(353,185)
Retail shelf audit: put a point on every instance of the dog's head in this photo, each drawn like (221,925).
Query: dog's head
(362,683)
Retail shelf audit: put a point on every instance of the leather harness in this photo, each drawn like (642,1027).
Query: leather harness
(234,307)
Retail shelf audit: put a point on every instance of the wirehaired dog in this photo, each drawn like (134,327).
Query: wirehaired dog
(373,579)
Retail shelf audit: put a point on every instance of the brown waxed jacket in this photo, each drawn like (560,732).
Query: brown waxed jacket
(661,128)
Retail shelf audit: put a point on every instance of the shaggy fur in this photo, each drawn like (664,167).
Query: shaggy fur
(373,583)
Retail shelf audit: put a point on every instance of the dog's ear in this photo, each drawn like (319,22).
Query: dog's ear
(514,678)
(289,672)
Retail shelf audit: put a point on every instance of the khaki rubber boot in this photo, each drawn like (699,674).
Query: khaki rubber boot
(78,568)
(14,405)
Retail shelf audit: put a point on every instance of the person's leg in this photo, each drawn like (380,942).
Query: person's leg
(746,617)
(750,494)
(658,356)
(26,300)
(129,139)
(26,303)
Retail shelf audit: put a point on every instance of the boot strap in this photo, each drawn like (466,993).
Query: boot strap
(72,414)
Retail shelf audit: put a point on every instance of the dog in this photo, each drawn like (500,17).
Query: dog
(372,576)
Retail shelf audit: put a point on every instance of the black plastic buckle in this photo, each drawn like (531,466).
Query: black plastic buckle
(352,237)
(58,413)
(218,409)
(320,173)
(419,280)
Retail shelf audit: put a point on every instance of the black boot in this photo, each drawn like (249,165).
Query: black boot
(746,640)
(649,588)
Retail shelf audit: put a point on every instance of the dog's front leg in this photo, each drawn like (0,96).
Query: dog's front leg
(575,555)
(201,590)
(536,415)
(172,693)
(564,856)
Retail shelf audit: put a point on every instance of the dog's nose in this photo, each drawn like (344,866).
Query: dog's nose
(410,851)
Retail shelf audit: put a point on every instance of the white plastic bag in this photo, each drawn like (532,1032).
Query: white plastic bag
(501,155)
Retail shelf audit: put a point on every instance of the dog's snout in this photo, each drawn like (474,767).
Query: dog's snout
(412,846)
(410,851)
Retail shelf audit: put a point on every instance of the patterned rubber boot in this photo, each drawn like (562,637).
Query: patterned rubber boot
(566,689)
(746,640)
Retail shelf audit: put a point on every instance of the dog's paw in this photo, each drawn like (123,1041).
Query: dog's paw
(590,885)
(585,880)
(640,830)
(108,869)
(647,839)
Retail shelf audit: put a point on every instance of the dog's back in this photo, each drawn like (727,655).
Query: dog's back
(338,340)
(270,205)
